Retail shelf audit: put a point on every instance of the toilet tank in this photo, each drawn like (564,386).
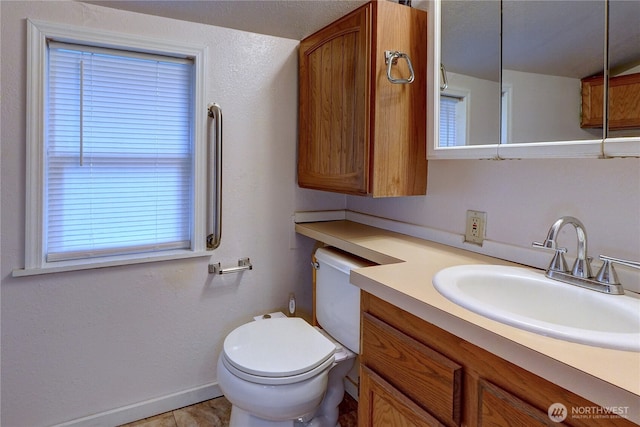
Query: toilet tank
(338,301)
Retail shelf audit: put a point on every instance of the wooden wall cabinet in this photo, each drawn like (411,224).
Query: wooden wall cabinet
(413,373)
(358,132)
(624,102)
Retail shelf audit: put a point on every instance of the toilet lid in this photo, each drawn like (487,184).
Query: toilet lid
(277,347)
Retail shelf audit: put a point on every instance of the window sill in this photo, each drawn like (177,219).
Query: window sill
(60,267)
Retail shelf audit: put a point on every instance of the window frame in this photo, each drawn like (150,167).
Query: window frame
(462,113)
(38,33)
(506,103)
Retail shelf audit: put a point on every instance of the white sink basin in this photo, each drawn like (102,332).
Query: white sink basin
(528,300)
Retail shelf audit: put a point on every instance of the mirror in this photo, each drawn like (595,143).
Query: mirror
(624,66)
(547,48)
(470,56)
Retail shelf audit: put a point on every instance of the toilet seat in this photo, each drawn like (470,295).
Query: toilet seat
(277,351)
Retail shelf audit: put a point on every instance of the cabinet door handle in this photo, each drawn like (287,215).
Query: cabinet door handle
(391,58)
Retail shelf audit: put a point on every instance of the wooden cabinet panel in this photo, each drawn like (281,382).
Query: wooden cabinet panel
(498,408)
(592,102)
(624,102)
(399,110)
(425,376)
(359,133)
(493,390)
(333,139)
(383,405)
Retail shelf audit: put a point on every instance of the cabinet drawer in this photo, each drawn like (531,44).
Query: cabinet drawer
(428,378)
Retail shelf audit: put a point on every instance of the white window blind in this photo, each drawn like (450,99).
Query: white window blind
(119,153)
(453,118)
(448,108)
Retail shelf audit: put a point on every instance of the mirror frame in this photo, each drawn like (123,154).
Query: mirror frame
(597,148)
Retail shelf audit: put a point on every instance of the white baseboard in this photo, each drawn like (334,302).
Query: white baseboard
(148,408)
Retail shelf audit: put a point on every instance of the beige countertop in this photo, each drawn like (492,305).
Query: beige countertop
(407,264)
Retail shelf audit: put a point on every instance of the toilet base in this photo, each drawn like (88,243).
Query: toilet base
(328,411)
(325,415)
(240,417)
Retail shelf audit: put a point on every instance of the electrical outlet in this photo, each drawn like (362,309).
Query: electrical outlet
(476,227)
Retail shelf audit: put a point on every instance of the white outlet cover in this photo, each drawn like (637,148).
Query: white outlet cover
(475,230)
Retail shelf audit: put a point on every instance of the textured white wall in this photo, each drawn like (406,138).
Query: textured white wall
(79,343)
(523,198)
(484,107)
(546,108)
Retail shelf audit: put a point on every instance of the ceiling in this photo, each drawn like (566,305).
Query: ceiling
(292,19)
(559,37)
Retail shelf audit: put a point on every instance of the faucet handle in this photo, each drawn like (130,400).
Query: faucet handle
(634,264)
(607,274)
(549,244)
(582,268)
(558,263)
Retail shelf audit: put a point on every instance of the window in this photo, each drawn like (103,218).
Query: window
(113,138)
(453,118)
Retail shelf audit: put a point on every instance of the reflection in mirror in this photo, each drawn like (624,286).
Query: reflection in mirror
(624,65)
(548,47)
(470,54)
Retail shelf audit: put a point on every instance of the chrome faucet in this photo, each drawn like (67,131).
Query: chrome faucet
(605,281)
(582,266)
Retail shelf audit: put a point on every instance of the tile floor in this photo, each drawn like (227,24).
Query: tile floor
(216,412)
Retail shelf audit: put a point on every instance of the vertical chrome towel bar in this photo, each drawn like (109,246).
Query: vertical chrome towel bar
(214,222)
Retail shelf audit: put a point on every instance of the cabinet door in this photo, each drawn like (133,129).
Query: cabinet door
(382,405)
(624,102)
(334,97)
(499,408)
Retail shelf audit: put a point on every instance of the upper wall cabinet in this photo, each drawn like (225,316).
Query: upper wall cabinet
(623,132)
(362,117)
(624,103)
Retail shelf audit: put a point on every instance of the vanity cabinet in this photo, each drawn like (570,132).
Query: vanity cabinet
(624,102)
(358,132)
(414,373)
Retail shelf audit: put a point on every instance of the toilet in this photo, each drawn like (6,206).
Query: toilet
(281,371)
